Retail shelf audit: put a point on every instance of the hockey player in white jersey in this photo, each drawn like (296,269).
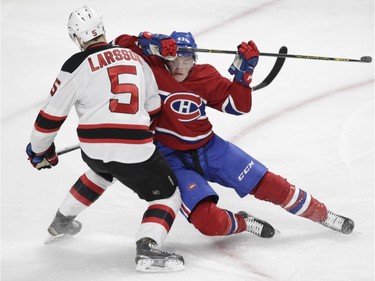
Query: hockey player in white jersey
(116,98)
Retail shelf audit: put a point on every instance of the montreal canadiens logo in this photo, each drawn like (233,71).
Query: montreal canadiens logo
(186,105)
(192,186)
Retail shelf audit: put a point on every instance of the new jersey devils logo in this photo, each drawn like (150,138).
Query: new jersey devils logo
(186,106)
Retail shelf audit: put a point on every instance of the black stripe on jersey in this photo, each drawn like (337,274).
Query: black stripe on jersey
(156,214)
(45,122)
(75,61)
(114,133)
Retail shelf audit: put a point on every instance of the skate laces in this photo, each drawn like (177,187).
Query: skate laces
(150,248)
(254,226)
(257,226)
(155,248)
(333,221)
(338,223)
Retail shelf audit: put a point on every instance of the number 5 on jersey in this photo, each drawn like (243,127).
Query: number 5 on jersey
(124,88)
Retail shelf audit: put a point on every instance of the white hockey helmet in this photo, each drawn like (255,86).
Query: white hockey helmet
(85,24)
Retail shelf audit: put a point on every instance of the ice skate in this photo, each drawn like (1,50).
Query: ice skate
(62,228)
(338,223)
(150,258)
(257,226)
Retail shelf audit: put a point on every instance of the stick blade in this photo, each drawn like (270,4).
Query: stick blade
(274,71)
(366,59)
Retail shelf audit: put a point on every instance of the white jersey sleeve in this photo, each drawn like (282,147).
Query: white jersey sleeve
(114,92)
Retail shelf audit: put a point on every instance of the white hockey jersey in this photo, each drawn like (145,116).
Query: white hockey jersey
(115,96)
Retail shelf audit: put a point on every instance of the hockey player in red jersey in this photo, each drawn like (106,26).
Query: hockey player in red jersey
(115,96)
(184,135)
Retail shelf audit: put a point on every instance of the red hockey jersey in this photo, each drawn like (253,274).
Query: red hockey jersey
(183,123)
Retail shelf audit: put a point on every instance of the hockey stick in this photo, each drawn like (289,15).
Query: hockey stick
(367,59)
(274,71)
(68,149)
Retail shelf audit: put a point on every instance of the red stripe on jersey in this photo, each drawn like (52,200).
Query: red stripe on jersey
(115,133)
(52,117)
(47,123)
(148,140)
(113,126)
(177,143)
(43,130)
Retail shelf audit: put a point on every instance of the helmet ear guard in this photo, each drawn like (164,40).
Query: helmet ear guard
(85,24)
(185,40)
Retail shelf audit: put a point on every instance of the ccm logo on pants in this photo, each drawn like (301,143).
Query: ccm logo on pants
(245,171)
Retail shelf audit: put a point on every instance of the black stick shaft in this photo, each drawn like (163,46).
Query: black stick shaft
(367,59)
(68,149)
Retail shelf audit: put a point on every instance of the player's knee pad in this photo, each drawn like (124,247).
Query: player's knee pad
(158,181)
(272,188)
(209,219)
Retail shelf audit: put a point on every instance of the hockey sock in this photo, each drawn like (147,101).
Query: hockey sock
(279,191)
(85,191)
(212,221)
(89,187)
(159,217)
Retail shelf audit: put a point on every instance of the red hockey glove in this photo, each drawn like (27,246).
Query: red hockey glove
(43,160)
(244,63)
(158,44)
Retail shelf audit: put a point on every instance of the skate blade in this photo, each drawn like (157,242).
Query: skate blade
(148,265)
(50,239)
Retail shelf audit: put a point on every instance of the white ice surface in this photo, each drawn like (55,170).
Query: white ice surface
(313,125)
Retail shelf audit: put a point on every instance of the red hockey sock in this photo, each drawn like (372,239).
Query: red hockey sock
(279,191)
(210,220)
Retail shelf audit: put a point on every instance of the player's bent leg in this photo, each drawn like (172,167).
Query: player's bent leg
(211,220)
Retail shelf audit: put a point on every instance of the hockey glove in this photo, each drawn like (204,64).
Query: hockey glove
(158,44)
(244,63)
(43,160)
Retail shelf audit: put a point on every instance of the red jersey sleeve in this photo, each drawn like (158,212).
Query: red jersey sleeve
(221,93)
(129,42)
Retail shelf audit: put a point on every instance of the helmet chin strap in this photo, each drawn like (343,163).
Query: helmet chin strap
(77,41)
(80,44)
